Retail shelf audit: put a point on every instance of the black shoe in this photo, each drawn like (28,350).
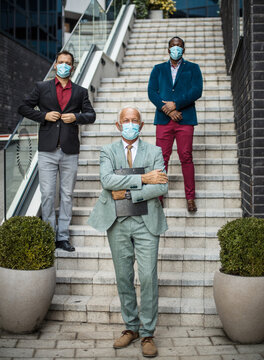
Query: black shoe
(64,245)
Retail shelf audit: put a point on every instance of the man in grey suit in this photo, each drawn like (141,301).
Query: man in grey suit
(134,236)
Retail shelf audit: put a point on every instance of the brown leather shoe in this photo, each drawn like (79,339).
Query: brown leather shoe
(148,347)
(191,206)
(127,337)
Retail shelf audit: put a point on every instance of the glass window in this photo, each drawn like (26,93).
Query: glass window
(43,5)
(7,18)
(43,42)
(52,5)
(197,12)
(33,5)
(52,48)
(32,35)
(21,27)
(52,24)
(21,4)
(27,22)
(194,8)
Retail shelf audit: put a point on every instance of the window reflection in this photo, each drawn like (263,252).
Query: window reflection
(34,23)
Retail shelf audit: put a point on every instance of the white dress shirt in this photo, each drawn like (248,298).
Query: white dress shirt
(133,149)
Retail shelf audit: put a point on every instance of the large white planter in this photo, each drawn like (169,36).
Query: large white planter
(240,304)
(25,297)
(156,14)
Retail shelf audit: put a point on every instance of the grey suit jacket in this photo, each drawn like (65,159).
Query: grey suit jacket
(112,157)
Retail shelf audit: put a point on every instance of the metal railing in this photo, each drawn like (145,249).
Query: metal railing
(20,152)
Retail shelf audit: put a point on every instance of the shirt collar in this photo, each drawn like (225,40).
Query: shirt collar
(135,144)
(178,64)
(68,86)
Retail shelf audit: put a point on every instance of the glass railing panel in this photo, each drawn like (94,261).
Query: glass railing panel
(113,10)
(20,160)
(90,30)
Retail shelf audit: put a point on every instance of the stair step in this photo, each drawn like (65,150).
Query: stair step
(171,284)
(208,89)
(134,51)
(178,212)
(169,278)
(198,231)
(178,237)
(148,65)
(179,254)
(206,167)
(103,137)
(208,98)
(143,80)
(174,198)
(106,304)
(203,217)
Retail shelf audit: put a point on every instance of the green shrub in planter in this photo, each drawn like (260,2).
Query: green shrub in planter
(26,243)
(242,247)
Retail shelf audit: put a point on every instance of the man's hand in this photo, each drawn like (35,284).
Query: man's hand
(52,116)
(175,115)
(68,118)
(154,177)
(119,194)
(168,107)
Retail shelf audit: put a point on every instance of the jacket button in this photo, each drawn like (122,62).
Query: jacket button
(172,89)
(58,125)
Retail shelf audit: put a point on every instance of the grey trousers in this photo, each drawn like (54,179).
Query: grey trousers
(130,240)
(49,165)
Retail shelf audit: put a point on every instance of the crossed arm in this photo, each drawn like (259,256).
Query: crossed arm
(173,107)
(142,187)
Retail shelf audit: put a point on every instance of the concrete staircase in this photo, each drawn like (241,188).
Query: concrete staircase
(189,253)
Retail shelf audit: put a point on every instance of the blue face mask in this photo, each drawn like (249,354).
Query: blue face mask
(176,52)
(63,70)
(130,131)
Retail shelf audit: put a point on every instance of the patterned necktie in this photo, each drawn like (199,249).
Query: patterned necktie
(129,155)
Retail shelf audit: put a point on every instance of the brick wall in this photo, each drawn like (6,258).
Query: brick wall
(247,77)
(19,70)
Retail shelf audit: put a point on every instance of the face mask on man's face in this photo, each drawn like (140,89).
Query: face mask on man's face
(130,131)
(176,52)
(63,70)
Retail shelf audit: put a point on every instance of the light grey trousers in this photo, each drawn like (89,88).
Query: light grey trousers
(49,165)
(130,240)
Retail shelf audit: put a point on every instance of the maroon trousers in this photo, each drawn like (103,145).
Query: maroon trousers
(165,135)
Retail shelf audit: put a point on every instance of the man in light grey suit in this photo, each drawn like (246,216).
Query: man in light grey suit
(135,236)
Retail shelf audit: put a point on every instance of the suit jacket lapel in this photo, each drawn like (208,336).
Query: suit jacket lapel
(168,68)
(121,156)
(179,72)
(140,156)
(54,95)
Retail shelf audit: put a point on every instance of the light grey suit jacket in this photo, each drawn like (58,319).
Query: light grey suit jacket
(113,157)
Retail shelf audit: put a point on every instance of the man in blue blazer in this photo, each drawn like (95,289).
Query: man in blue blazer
(173,88)
(137,236)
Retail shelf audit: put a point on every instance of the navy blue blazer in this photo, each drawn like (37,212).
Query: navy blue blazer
(187,88)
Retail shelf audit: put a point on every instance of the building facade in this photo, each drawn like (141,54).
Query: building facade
(244,45)
(30,36)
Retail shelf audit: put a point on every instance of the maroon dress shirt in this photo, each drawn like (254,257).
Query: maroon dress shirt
(63,93)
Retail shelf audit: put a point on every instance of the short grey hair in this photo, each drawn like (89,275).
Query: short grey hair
(129,107)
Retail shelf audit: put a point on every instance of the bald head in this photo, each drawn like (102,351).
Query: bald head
(129,113)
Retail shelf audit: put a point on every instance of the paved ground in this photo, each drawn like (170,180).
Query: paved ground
(94,342)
